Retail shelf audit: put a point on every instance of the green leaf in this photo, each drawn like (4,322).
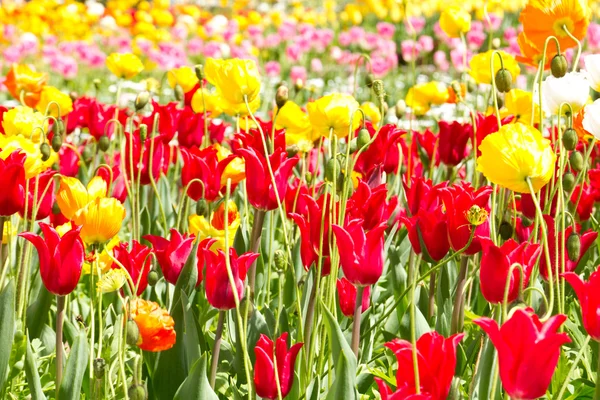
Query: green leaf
(256,326)
(32,374)
(37,312)
(7,328)
(190,333)
(196,385)
(483,376)
(70,386)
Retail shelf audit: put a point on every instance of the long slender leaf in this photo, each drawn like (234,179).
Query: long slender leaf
(70,387)
(7,328)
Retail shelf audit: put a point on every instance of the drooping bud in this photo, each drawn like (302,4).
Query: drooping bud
(506,230)
(179,93)
(246,303)
(45,150)
(133,333)
(56,143)
(570,139)
(280,260)
(281,96)
(496,43)
(568,182)
(292,150)
(143,131)
(526,222)
(576,161)
(141,100)
(400,108)
(298,85)
(353,146)
(363,138)
(332,169)
(97,83)
(152,277)
(369,79)
(99,368)
(503,80)
(573,246)
(199,70)
(104,143)
(202,208)
(378,88)
(559,66)
(137,392)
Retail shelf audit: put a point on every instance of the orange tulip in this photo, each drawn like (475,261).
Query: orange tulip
(25,84)
(156,326)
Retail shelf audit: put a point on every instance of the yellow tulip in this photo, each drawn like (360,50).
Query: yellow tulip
(23,121)
(100,220)
(480,66)
(515,153)
(237,81)
(296,123)
(334,112)
(124,65)
(50,98)
(455,21)
(72,196)
(215,228)
(210,100)
(184,77)
(34,165)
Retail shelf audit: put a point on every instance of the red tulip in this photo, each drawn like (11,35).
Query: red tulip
(203,165)
(264,370)
(294,202)
(371,205)
(168,116)
(253,139)
(259,186)
(68,161)
(421,194)
(12,182)
(588,294)
(347,297)
(219,292)
(137,157)
(458,200)
(171,254)
(361,253)
(525,345)
(432,227)
(43,190)
(403,393)
(436,357)
(496,263)
(587,239)
(137,262)
(425,147)
(114,180)
(585,197)
(61,258)
(487,125)
(384,150)
(90,113)
(452,146)
(2,111)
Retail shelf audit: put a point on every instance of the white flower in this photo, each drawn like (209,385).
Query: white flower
(592,66)
(591,119)
(573,89)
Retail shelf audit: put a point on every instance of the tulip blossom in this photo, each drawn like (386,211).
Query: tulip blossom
(453,141)
(12,182)
(588,294)
(219,292)
(347,296)
(145,159)
(90,113)
(61,258)
(156,326)
(361,251)
(137,263)
(436,358)
(403,393)
(526,344)
(260,190)
(267,353)
(487,125)
(495,267)
(168,117)
(172,254)
(205,166)
(370,204)
(42,190)
(383,151)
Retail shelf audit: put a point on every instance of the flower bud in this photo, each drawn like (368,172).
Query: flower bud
(333,167)
(280,260)
(45,150)
(133,333)
(152,277)
(503,80)
(496,43)
(526,222)
(569,139)
(87,154)
(309,178)
(568,182)
(137,392)
(179,94)
(353,146)
(506,230)
(576,161)
(559,66)
(400,108)
(573,246)
(143,131)
(104,143)
(141,100)
(363,138)
(298,85)
(378,88)
(292,150)
(369,79)
(202,207)
(500,101)
(56,143)
(18,337)
(97,83)
(99,367)
(281,96)
(57,127)
(199,70)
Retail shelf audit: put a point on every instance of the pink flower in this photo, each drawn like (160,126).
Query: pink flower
(316,65)
(426,43)
(414,25)
(410,50)
(386,30)
(298,73)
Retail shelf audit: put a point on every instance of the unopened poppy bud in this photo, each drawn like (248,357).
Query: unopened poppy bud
(97,83)
(56,143)
(104,143)
(133,333)
(179,94)
(73,95)
(298,85)
(400,108)
(309,178)
(143,131)
(18,336)
(202,207)
(141,100)
(456,88)
(500,101)
(496,43)
(45,150)
(378,88)
(137,392)
(332,168)
(56,127)
(292,150)
(506,230)
(281,96)
(476,215)
(526,222)
(568,181)
(573,247)
(353,146)
(152,277)
(559,66)
(55,167)
(576,161)
(199,70)
(369,79)
(363,138)
(503,80)
(87,155)
(280,260)
(569,139)
(99,367)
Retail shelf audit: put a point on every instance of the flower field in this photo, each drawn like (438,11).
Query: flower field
(338,200)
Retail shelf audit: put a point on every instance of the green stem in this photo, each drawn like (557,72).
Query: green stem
(216,348)
(459,297)
(356,324)
(60,317)
(413,327)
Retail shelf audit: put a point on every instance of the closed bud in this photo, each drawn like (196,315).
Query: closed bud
(378,88)
(576,161)
(133,333)
(179,94)
(298,85)
(73,96)
(280,260)
(56,127)
(353,146)
(500,101)
(526,222)
(292,150)
(199,70)
(506,230)
(400,109)
(56,143)
(55,167)
(281,96)
(137,392)
(46,151)
(202,208)
(369,79)
(143,131)
(363,138)
(309,178)
(87,154)
(141,100)
(569,139)
(559,66)
(99,368)
(97,83)
(152,277)
(503,80)
(332,169)
(568,182)
(573,246)
(104,143)
(496,43)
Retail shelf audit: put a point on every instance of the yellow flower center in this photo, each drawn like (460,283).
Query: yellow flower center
(561,26)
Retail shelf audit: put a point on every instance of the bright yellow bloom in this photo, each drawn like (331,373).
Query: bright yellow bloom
(371,112)
(112,280)
(184,77)
(215,228)
(211,101)
(104,259)
(518,103)
(335,112)
(124,65)
(34,165)
(23,121)
(296,124)
(481,68)
(421,96)
(455,21)
(72,196)
(100,219)
(50,98)
(235,170)
(513,154)
(236,81)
